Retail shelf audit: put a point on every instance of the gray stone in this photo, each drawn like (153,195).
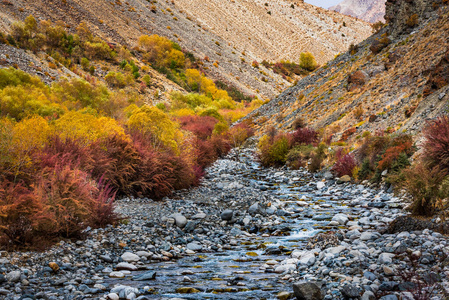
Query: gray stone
(389,297)
(145,276)
(320,185)
(199,215)
(126,266)
(386,258)
(13,276)
(350,291)
(113,296)
(190,226)
(367,236)
(342,219)
(307,291)
(194,246)
(307,258)
(328,175)
(106,258)
(368,295)
(130,257)
(254,209)
(180,220)
(227,215)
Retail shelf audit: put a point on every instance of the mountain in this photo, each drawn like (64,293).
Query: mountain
(392,82)
(226,35)
(368,10)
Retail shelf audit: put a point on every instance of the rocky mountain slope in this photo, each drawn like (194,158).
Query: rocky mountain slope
(227,35)
(368,10)
(392,82)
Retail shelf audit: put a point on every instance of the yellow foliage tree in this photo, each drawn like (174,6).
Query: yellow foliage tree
(86,128)
(161,52)
(27,136)
(153,122)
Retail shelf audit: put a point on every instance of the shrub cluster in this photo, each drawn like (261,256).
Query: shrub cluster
(67,150)
(295,149)
(428,179)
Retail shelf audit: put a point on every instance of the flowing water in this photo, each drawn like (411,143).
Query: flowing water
(246,270)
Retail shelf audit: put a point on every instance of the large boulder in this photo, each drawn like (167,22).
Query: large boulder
(307,291)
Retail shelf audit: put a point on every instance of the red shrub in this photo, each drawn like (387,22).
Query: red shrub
(220,144)
(436,144)
(115,161)
(103,208)
(304,136)
(201,126)
(152,175)
(344,165)
(239,133)
(67,196)
(401,144)
(18,208)
(205,154)
(64,152)
(182,175)
(347,133)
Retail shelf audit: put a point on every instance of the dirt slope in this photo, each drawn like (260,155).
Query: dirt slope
(394,90)
(232,33)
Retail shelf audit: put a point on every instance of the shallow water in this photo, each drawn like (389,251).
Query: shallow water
(240,273)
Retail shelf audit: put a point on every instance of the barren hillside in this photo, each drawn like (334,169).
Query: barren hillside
(390,83)
(232,33)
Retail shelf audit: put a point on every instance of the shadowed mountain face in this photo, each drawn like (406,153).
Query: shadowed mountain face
(368,10)
(231,34)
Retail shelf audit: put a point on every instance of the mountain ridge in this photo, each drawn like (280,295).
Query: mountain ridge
(370,11)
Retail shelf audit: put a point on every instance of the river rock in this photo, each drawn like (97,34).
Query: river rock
(342,219)
(320,185)
(145,276)
(307,291)
(180,220)
(227,215)
(308,258)
(350,291)
(113,296)
(386,258)
(13,276)
(130,257)
(194,246)
(368,295)
(345,178)
(126,266)
(254,209)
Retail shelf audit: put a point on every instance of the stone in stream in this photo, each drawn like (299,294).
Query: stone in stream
(307,291)
(145,276)
(342,219)
(113,296)
(194,246)
(227,215)
(126,266)
(320,185)
(130,257)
